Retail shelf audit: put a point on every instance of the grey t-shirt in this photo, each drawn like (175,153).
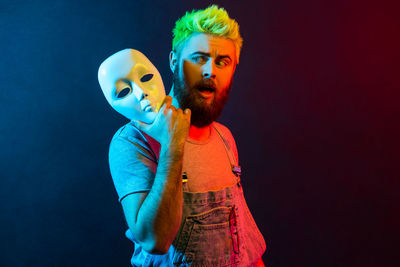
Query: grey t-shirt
(133,158)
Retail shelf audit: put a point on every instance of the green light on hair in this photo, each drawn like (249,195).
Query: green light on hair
(212,20)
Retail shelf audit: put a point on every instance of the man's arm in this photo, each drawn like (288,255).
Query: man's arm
(154,217)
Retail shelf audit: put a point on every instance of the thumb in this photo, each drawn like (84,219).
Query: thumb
(140,125)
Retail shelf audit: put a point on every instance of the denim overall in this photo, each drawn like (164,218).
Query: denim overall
(217,229)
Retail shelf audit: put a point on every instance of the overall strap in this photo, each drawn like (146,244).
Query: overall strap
(232,159)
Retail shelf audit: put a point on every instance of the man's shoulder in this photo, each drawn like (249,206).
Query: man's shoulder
(129,135)
(128,131)
(226,133)
(224,130)
(125,137)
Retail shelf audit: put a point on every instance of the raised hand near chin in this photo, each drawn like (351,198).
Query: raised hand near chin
(170,127)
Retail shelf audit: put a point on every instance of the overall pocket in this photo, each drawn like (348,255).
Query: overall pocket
(209,239)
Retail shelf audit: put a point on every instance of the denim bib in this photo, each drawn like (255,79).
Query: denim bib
(217,229)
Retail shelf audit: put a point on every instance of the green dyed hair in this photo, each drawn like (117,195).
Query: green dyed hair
(212,20)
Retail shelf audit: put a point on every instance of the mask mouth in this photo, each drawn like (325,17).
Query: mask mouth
(145,105)
(148,109)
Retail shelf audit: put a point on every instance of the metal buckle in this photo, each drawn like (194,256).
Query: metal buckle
(184,178)
(237,170)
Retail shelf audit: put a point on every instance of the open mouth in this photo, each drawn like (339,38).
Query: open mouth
(206,92)
(206,89)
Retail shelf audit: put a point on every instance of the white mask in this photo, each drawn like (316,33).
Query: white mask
(132,85)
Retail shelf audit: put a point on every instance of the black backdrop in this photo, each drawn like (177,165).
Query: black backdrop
(314,110)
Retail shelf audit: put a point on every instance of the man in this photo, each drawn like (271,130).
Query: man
(178,178)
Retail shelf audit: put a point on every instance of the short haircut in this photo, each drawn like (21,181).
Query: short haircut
(212,20)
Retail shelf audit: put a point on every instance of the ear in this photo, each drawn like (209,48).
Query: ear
(173,60)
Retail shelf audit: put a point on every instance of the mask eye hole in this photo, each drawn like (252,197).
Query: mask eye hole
(124,92)
(146,77)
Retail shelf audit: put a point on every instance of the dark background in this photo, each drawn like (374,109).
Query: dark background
(314,110)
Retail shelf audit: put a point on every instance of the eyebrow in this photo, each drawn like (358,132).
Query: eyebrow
(208,55)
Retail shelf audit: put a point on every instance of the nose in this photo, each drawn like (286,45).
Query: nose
(138,92)
(209,69)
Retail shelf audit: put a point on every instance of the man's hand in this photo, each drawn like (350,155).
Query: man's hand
(154,217)
(170,127)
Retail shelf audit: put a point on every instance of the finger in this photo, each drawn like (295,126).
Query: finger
(167,101)
(163,109)
(166,98)
(188,114)
(164,104)
(172,107)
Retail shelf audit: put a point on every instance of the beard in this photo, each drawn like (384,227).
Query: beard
(203,113)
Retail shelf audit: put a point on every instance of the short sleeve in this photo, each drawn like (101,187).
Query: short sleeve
(133,164)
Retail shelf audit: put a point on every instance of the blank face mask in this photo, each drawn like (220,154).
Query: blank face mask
(132,85)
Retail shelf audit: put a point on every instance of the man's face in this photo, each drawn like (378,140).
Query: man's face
(132,85)
(203,76)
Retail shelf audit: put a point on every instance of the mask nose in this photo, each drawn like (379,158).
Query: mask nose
(138,92)
(209,69)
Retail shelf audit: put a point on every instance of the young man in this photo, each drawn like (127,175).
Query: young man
(178,178)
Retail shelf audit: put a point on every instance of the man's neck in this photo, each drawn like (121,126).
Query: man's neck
(195,133)
(199,134)
(175,102)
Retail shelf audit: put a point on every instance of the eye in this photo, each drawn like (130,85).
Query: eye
(124,92)
(146,78)
(222,63)
(199,59)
